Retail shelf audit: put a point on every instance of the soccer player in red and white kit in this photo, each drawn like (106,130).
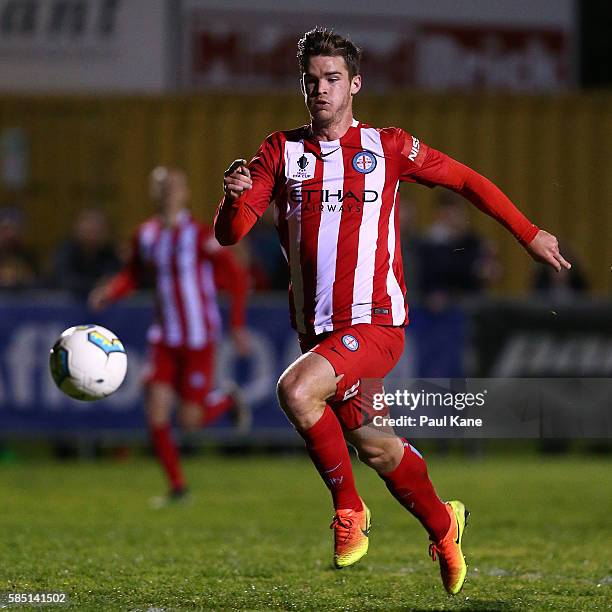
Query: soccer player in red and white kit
(335,184)
(187,265)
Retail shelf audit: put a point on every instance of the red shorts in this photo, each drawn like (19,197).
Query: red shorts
(189,372)
(364,354)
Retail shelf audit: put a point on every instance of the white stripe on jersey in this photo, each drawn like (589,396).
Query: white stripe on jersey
(165,285)
(363,286)
(398,307)
(188,285)
(327,240)
(294,225)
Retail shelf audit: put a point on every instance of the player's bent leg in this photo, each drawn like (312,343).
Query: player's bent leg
(240,412)
(160,399)
(159,403)
(204,405)
(404,471)
(190,416)
(302,392)
(230,401)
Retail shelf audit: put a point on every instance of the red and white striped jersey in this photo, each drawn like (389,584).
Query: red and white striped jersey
(187,264)
(337,216)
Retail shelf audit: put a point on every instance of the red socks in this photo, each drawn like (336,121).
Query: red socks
(327,449)
(166,449)
(408,482)
(168,455)
(410,485)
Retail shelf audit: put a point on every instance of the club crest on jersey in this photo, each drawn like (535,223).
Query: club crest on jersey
(302,166)
(364,162)
(350,342)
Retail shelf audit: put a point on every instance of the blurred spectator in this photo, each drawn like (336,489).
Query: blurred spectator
(456,261)
(87,257)
(17,262)
(267,265)
(563,285)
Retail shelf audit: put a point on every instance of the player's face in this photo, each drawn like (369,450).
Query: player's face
(328,89)
(172,190)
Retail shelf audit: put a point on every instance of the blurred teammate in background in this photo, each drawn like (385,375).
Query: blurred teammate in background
(187,265)
(335,187)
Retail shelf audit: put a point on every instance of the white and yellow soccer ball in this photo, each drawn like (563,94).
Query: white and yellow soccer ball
(88,362)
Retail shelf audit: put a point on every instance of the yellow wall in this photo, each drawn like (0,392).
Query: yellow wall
(551,155)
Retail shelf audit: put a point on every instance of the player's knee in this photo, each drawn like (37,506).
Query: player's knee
(290,392)
(159,404)
(295,396)
(190,418)
(158,414)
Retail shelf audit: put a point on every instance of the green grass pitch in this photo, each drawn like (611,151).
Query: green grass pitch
(255,536)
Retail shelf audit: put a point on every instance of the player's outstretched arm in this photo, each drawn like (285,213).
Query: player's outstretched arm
(440,169)
(120,285)
(545,249)
(99,297)
(490,199)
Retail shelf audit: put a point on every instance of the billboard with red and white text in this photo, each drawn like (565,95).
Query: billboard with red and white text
(510,46)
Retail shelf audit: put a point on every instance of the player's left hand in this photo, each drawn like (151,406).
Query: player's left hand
(545,249)
(242,341)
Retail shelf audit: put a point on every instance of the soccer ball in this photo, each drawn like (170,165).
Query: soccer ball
(88,362)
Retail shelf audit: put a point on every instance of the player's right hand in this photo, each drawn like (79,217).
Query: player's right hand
(236,179)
